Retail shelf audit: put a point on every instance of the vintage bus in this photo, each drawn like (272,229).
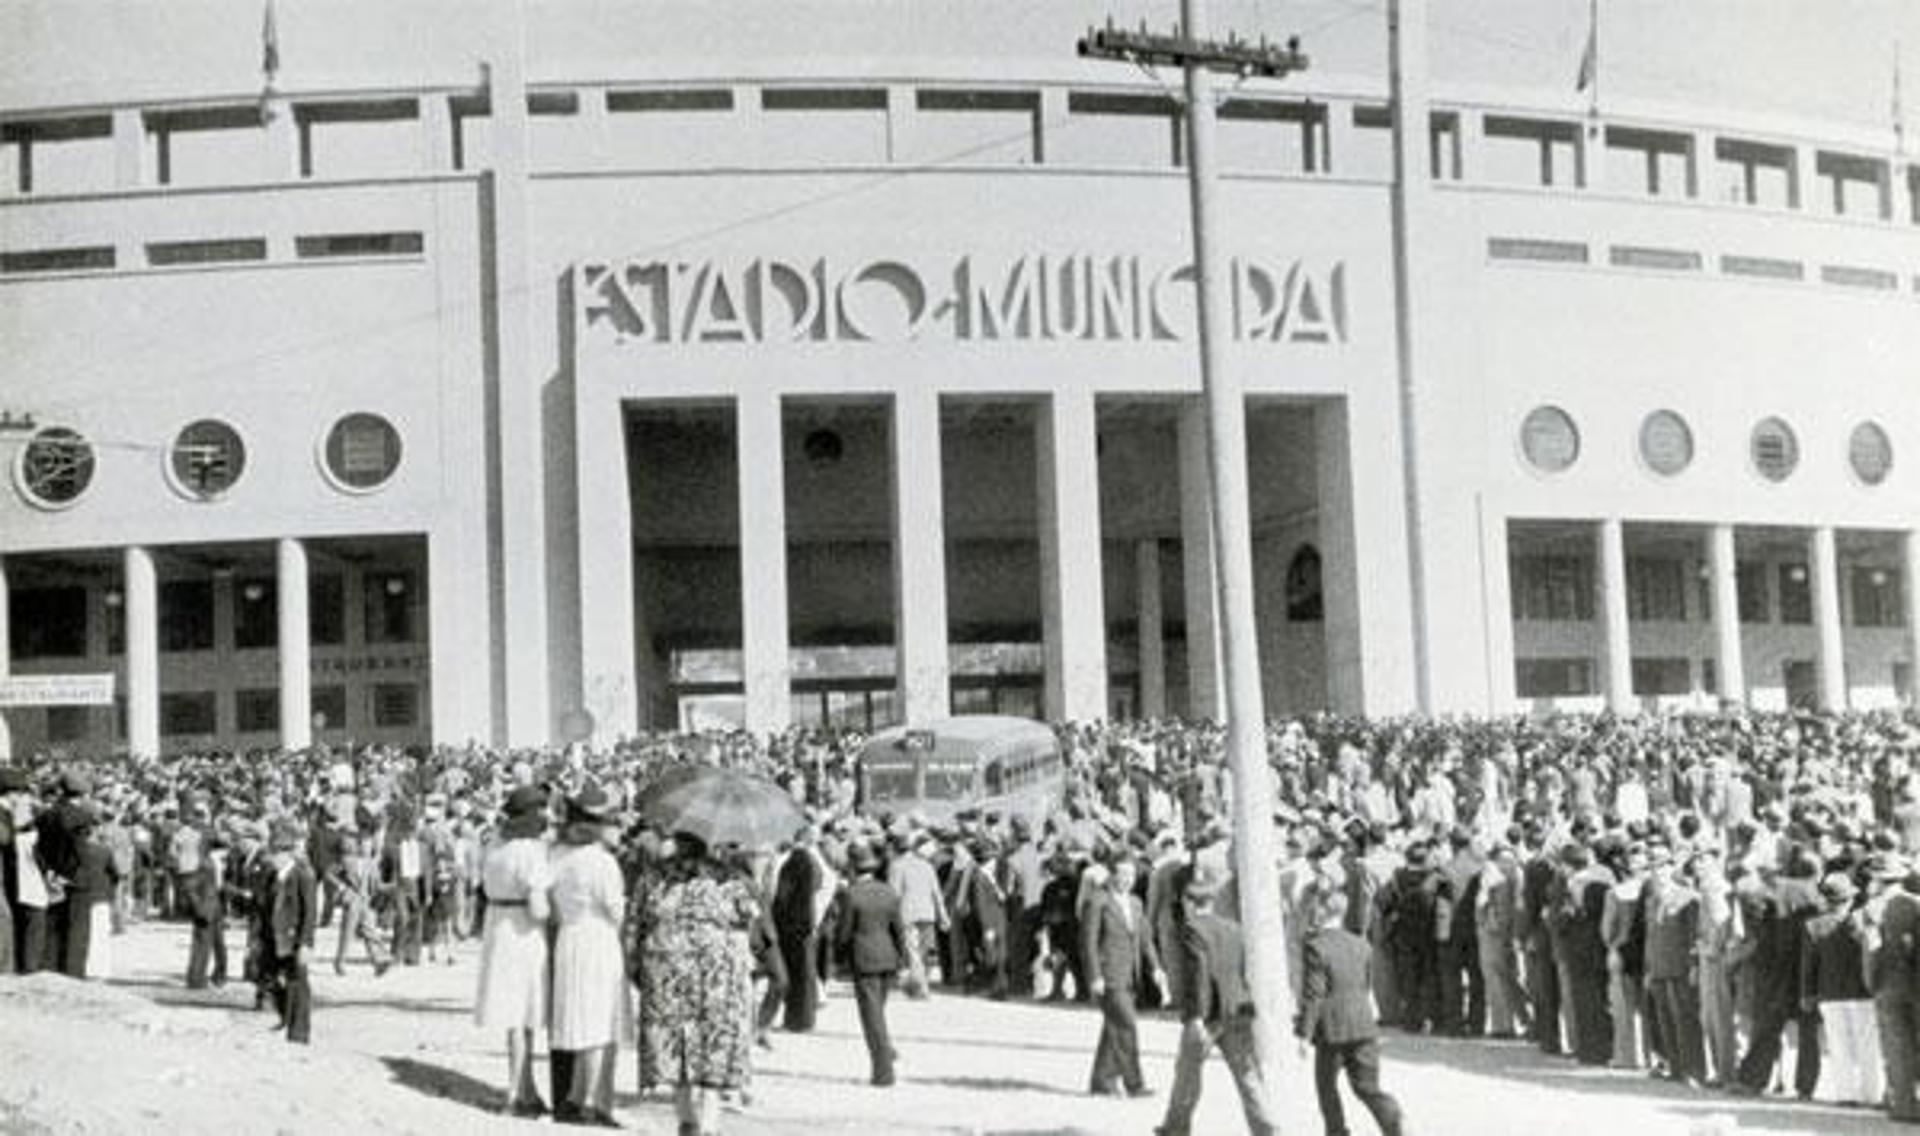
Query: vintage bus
(981,762)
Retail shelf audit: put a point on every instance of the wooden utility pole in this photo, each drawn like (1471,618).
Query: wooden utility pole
(1201,59)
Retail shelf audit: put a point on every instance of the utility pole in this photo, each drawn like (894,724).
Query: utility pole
(1253,865)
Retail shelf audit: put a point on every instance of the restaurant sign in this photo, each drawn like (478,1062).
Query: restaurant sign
(975,298)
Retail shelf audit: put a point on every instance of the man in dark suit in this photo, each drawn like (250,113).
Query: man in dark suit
(1790,903)
(1892,938)
(873,936)
(292,911)
(793,921)
(986,920)
(207,907)
(1543,983)
(1673,918)
(1217,1008)
(1336,1015)
(1118,946)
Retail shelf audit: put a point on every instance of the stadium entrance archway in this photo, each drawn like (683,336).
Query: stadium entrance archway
(1050,552)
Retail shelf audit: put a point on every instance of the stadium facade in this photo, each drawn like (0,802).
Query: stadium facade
(507,402)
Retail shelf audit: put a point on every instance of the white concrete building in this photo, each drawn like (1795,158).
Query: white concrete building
(536,385)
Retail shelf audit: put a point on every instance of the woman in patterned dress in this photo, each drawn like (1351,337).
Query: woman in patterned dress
(687,940)
(589,973)
(513,956)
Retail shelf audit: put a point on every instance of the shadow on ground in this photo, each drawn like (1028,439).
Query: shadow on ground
(447,1084)
(1525,1064)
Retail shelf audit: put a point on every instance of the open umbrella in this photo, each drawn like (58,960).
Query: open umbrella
(722,806)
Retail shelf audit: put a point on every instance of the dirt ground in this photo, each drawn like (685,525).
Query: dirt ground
(143,1055)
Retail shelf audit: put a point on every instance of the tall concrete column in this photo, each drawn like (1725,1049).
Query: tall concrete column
(509,289)
(1072,607)
(143,653)
(919,558)
(1909,599)
(1196,565)
(1618,641)
(763,562)
(1730,666)
(1823,565)
(296,644)
(1496,600)
(1149,623)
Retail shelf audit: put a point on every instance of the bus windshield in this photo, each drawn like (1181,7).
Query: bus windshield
(891,782)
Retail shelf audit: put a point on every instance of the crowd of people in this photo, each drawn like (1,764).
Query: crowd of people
(1724,900)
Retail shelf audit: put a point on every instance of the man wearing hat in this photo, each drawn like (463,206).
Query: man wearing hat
(911,875)
(986,918)
(1890,930)
(60,830)
(1026,881)
(1119,949)
(292,911)
(1833,981)
(25,887)
(1217,1008)
(873,937)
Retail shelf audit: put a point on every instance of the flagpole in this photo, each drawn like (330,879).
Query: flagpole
(1593,40)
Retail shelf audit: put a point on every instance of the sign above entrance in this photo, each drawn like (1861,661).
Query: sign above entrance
(976,298)
(57,690)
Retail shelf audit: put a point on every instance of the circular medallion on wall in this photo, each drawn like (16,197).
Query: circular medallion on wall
(1549,439)
(1775,450)
(1666,443)
(1870,453)
(361,452)
(207,458)
(54,468)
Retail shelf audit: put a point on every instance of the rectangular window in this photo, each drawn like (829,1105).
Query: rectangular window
(1750,583)
(1656,589)
(1796,594)
(1709,675)
(47,623)
(389,606)
(329,707)
(67,723)
(186,615)
(327,610)
(256,711)
(1661,676)
(1877,599)
(188,714)
(1552,588)
(256,614)
(1553,678)
(1117,129)
(396,705)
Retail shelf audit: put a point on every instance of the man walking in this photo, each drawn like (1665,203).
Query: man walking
(874,938)
(1118,947)
(911,875)
(1336,1015)
(1217,1010)
(293,909)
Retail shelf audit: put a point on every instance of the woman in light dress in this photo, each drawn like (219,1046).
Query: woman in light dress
(513,956)
(589,969)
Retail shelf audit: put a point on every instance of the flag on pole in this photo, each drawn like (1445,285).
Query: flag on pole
(1590,55)
(1899,107)
(269,45)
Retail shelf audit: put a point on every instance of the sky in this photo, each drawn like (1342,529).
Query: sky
(1819,59)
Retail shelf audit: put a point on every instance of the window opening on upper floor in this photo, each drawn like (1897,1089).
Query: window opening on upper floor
(1752,173)
(1658,163)
(1860,186)
(1532,151)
